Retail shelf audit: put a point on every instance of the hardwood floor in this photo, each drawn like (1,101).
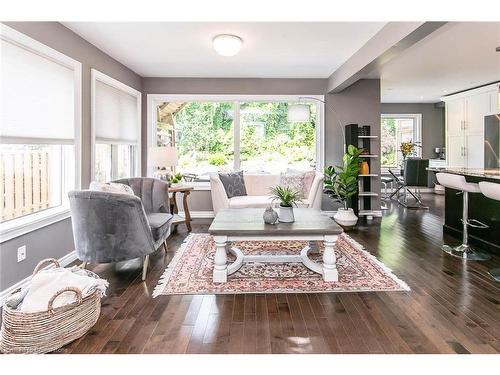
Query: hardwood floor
(453,307)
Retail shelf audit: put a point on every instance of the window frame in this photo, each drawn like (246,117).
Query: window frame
(417,131)
(96,75)
(153,100)
(25,224)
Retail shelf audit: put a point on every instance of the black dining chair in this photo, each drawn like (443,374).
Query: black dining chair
(415,175)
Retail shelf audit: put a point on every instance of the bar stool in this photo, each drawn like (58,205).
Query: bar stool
(492,191)
(457,182)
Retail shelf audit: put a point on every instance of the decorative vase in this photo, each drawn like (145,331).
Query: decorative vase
(286,214)
(346,217)
(364,168)
(270,216)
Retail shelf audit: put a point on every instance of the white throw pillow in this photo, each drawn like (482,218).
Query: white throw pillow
(308,177)
(111,187)
(293,181)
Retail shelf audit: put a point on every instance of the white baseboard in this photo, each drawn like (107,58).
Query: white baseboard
(200,214)
(64,261)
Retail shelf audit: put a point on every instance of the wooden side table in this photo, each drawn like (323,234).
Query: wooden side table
(185,190)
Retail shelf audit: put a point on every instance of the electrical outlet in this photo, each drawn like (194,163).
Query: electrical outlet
(21,253)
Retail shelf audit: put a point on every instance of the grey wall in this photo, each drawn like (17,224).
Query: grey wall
(56,240)
(357,104)
(433,128)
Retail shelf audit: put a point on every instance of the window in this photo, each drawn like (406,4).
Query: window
(116,112)
(251,135)
(396,129)
(40,116)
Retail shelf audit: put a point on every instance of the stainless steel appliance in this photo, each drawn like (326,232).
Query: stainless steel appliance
(492,141)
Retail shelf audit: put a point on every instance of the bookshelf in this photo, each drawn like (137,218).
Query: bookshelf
(363,203)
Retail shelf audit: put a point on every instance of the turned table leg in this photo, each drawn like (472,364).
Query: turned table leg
(220,260)
(330,272)
(187,215)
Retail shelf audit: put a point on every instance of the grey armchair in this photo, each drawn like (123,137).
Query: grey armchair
(110,227)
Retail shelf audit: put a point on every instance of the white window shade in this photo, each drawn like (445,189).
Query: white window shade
(115,115)
(37,98)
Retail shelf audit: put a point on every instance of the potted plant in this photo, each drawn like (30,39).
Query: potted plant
(341,183)
(175,179)
(288,198)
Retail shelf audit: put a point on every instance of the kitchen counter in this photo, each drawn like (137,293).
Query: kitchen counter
(489,173)
(480,208)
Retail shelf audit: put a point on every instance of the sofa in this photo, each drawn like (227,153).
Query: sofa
(258,194)
(110,227)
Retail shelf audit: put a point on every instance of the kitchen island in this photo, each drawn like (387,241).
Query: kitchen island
(480,208)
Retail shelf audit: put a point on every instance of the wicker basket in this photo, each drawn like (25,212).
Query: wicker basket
(46,331)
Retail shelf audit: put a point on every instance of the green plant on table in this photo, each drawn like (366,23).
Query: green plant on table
(175,178)
(287,196)
(341,182)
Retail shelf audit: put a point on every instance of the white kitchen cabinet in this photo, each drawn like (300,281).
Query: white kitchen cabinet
(477,106)
(474,151)
(465,125)
(455,151)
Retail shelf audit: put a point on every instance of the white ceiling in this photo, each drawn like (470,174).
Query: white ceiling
(456,57)
(274,49)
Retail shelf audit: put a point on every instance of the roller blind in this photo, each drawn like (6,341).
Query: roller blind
(116,115)
(36,98)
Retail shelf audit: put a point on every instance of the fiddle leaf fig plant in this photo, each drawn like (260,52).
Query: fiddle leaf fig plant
(341,181)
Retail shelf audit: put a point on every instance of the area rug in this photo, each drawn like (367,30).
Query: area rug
(190,271)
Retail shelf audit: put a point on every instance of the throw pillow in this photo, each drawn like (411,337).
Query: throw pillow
(111,187)
(308,177)
(234,184)
(293,181)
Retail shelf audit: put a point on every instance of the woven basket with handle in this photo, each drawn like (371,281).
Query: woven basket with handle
(46,331)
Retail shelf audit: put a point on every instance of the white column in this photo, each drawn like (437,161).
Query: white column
(220,260)
(329,260)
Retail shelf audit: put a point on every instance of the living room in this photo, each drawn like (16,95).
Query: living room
(300,186)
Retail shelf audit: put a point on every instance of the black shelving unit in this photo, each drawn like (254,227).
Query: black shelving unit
(360,136)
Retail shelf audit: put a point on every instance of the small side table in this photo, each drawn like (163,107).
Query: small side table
(185,190)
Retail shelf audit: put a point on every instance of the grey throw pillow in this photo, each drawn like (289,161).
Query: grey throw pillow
(234,184)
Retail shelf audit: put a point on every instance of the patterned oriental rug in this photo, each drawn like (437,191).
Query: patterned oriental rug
(190,271)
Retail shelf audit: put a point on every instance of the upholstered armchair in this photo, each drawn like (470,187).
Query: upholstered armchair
(110,227)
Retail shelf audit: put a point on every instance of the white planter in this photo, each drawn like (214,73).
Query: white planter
(346,218)
(285,215)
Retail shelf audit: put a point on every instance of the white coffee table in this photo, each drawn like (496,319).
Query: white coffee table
(246,224)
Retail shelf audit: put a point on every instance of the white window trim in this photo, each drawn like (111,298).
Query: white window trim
(28,223)
(96,75)
(154,99)
(417,117)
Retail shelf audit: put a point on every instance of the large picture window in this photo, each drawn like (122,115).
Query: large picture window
(40,114)
(226,135)
(396,129)
(116,111)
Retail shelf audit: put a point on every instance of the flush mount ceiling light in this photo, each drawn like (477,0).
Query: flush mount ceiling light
(227,45)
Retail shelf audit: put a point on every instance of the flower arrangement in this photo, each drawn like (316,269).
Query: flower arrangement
(408,149)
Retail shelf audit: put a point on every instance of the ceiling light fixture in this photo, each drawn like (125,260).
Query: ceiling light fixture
(227,45)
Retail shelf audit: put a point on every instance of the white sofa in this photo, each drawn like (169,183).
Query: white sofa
(258,195)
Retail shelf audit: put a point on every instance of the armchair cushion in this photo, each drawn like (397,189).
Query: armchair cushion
(159,224)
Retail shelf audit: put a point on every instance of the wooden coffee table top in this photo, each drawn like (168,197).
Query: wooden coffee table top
(249,221)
